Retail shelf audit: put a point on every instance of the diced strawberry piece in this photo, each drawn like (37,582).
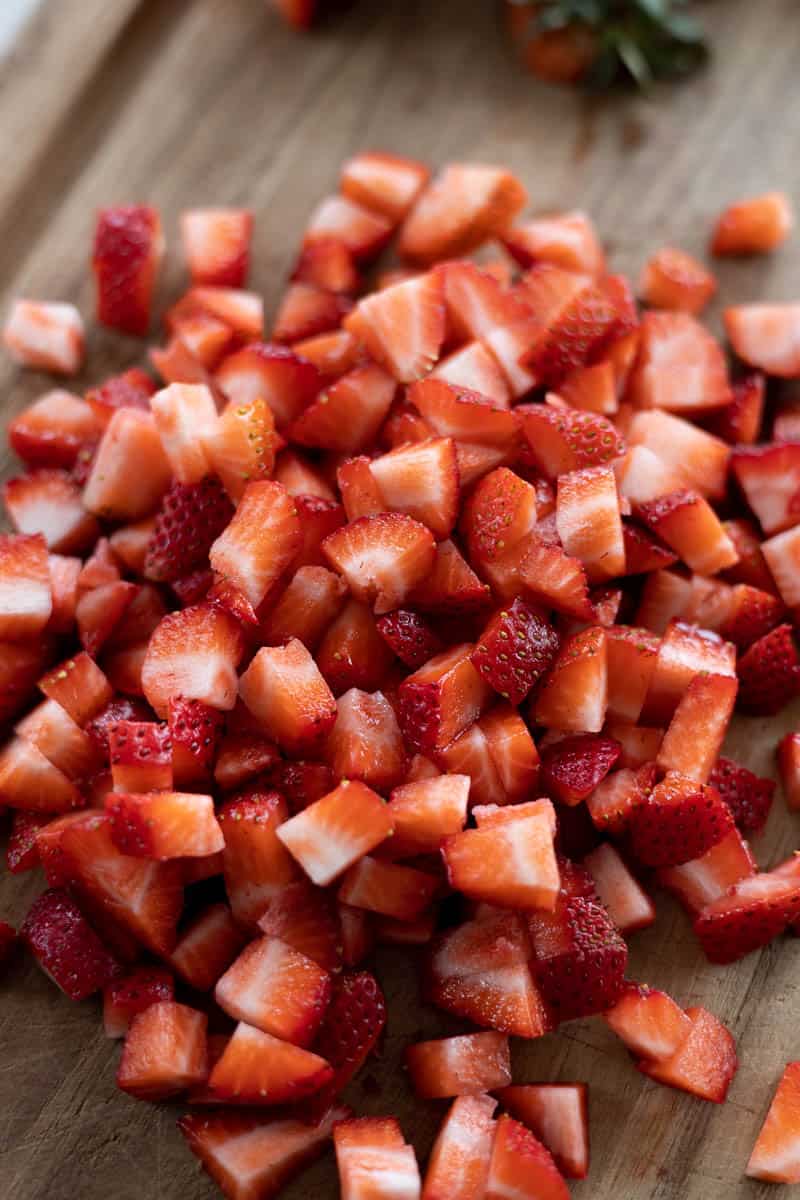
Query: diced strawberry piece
(685,651)
(145,897)
(164,825)
(696,459)
(141,756)
(374,1161)
(54,430)
(680,366)
(66,946)
(573,768)
(45,335)
(687,523)
(26,598)
(574,694)
(478,302)
(334,832)
(403,326)
(195,730)
(485,436)
(359,489)
(185,415)
(679,821)
(216,243)
(675,280)
(389,932)
(785,422)
(21,664)
(362,229)
(382,558)
(306,311)
(748,797)
(508,344)
(554,579)
(512,750)
(459,1066)
(311,601)
(521,1166)
(782,554)
(579,957)
(247,1155)
(242,311)
(352,652)
(128,248)
(258,1068)
(79,686)
(326,263)
(769,672)
(193,653)
(705,1063)
(130,440)
(164,1051)
(740,421)
(591,388)
(469,754)
(207,947)
(319,517)
(458,1168)
(131,389)
(697,730)
(612,801)
(425,812)
(422,481)
(766,336)
(409,636)
(30,781)
(750,914)
(753,226)
(304,918)
(99,611)
(277,989)
(351,1030)
(464,206)
(643,553)
(500,512)
(576,336)
(260,542)
(631,662)
(562,440)
(284,690)
(568,240)
(451,586)
(629,906)
(441,699)
(649,1022)
(557,1113)
(256,865)
(383,183)
(22,852)
(475,368)
(588,521)
(774,1157)
(480,971)
(53,732)
(125,998)
(388,888)
(515,649)
(769,476)
(512,865)
(365,743)
(333,354)
(347,416)
(274,374)
(357,934)
(207,339)
(705,879)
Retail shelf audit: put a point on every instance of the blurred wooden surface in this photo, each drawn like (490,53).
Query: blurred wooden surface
(179,102)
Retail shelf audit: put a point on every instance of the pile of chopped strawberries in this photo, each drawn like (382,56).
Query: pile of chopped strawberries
(421,624)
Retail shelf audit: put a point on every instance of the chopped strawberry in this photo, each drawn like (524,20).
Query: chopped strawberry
(679,821)
(500,512)
(458,1168)
(425,812)
(697,730)
(629,906)
(242,311)
(680,366)
(311,600)
(464,206)
(687,523)
(185,415)
(352,652)
(685,651)
(568,240)
(422,481)
(562,439)
(347,416)
(373,1160)
(207,947)
(66,946)
(164,1051)
(403,326)
(576,335)
(555,580)
(477,302)
(30,781)
(261,540)
(246,1154)
(388,888)
(769,476)
(515,649)
(126,997)
(140,754)
(573,767)
(276,988)
(363,230)
(164,825)
(284,690)
(382,558)
(303,917)
(195,729)
(333,353)
(748,797)
(130,438)
(486,436)
(256,865)
(365,743)
(704,1065)
(707,878)
(512,865)
(740,421)
(216,243)
(258,1068)
(769,672)
(451,586)
(79,686)
(480,971)
(128,248)
(789,768)
(334,832)
(441,699)
(774,1157)
(521,1166)
(307,311)
(45,335)
(409,636)
(326,263)
(675,280)
(475,1062)
(766,336)
(193,653)
(383,183)
(557,1113)
(52,731)
(131,389)
(649,1022)
(750,914)
(695,458)
(573,695)
(274,374)
(512,751)
(22,852)
(579,957)
(753,226)
(99,612)
(588,521)
(54,430)
(475,368)
(352,1028)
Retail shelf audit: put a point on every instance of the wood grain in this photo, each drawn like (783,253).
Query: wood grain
(213,101)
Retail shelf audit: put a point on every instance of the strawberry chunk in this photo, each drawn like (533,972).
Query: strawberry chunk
(567,240)
(403,326)
(351,1030)
(766,336)
(573,767)
(66,947)
(140,754)
(756,225)
(769,672)
(475,368)
(704,1065)
(562,440)
(697,730)
(28,780)
(361,228)
(515,650)
(164,825)
(695,458)
(131,441)
(680,366)
(193,653)
(705,879)
(373,1160)
(750,914)
(277,989)
(128,248)
(284,690)
(388,888)
(164,1052)
(685,651)
(675,280)
(382,558)
(441,699)
(775,1156)
(326,263)
(274,374)
(649,1022)
(464,206)
(54,430)
(511,865)
(422,481)
(257,867)
(579,957)
(260,542)
(500,512)
(334,832)
(384,183)
(125,998)
(79,686)
(352,652)
(216,243)
(304,917)
(588,521)
(679,821)
(346,417)
(557,1113)
(458,1168)
(409,636)
(45,335)
(257,1068)
(458,1066)
(365,743)
(574,694)
(26,598)
(748,796)
(520,1164)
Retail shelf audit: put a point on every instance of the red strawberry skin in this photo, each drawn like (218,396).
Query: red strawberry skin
(191,518)
(127,248)
(409,636)
(573,767)
(580,958)
(66,947)
(679,822)
(353,1025)
(515,649)
(747,795)
(769,673)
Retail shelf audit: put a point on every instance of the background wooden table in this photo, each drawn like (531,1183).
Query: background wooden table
(180,102)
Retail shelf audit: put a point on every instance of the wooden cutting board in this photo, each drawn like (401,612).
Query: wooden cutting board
(184,102)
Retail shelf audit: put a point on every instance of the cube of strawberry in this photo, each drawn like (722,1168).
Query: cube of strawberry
(679,821)
(334,832)
(304,917)
(193,653)
(674,280)
(284,690)
(768,475)
(511,865)
(557,1113)
(346,416)
(753,226)
(141,756)
(409,636)
(53,732)
(274,374)
(185,415)
(128,248)
(130,440)
(306,311)
(579,957)
(126,997)
(750,914)
(388,888)
(474,367)
(515,649)
(703,880)
(629,906)
(310,602)
(55,430)
(373,1159)
(256,865)
(680,366)
(612,801)
(277,989)
(422,481)
(45,335)
(384,183)
(649,1022)
(512,751)
(518,1156)
(257,1068)
(574,694)
(260,542)
(195,730)
(769,672)
(748,796)
(441,699)
(688,524)
(22,853)
(465,205)
(486,436)
(457,1066)
(381,558)
(365,743)
(66,946)
(451,585)
(588,521)
(554,579)
(79,686)
(326,263)
(697,730)
(164,825)
(562,440)
(685,651)
(631,662)
(188,522)
(774,1155)
(164,1052)
(480,971)
(26,596)
(459,1163)
(28,780)
(403,326)
(573,767)
(696,458)
(352,652)
(216,244)
(362,229)
(704,1065)
(425,811)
